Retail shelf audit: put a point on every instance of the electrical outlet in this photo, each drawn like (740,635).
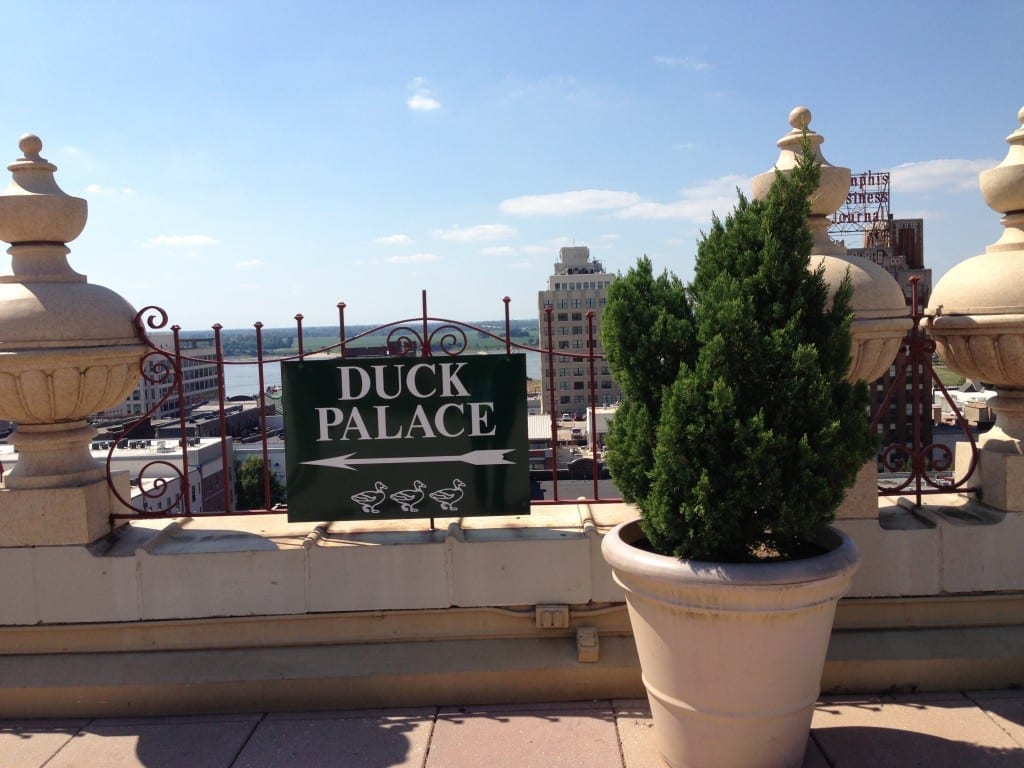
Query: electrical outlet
(553,616)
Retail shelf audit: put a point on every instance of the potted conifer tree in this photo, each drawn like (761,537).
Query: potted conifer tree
(737,438)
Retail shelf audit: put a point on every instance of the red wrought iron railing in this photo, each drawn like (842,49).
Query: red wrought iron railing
(170,483)
(922,469)
(915,467)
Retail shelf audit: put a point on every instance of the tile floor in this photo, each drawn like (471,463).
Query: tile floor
(979,729)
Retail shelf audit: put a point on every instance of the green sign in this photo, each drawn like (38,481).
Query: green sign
(395,437)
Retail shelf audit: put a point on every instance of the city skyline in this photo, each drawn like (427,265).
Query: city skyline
(246,162)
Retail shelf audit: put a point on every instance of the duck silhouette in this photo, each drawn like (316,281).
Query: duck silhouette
(370,500)
(449,497)
(410,497)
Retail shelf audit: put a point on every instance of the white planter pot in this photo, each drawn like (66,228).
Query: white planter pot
(731,654)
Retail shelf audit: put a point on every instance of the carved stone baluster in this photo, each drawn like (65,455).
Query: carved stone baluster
(67,350)
(976,316)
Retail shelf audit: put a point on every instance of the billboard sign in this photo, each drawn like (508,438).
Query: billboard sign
(867,203)
(400,437)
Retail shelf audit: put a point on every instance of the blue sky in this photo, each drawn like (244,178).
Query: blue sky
(247,161)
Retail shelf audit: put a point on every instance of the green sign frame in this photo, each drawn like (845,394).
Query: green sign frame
(406,437)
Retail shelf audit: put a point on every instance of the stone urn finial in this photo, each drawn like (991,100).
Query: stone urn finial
(67,348)
(881,319)
(976,311)
(832,189)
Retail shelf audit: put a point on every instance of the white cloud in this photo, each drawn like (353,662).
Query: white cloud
(611,236)
(412,258)
(96,189)
(476,233)
(696,203)
(249,264)
(422,99)
(689,63)
(564,203)
(180,241)
(394,240)
(499,250)
(949,175)
(420,102)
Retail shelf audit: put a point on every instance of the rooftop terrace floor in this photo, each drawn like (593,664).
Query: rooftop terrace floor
(975,728)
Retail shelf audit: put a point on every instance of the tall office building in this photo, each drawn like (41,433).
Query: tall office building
(579,285)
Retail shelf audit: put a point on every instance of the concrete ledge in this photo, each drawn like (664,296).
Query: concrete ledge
(924,660)
(455,672)
(458,656)
(321,677)
(262,565)
(308,630)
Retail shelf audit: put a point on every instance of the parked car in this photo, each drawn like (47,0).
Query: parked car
(576,435)
(583,468)
(566,417)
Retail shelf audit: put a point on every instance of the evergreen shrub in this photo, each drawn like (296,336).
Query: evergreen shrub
(738,433)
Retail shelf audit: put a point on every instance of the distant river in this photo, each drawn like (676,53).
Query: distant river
(244,379)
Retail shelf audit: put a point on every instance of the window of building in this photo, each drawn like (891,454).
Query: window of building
(563,316)
(577,315)
(577,371)
(563,303)
(575,303)
(577,330)
(578,385)
(563,345)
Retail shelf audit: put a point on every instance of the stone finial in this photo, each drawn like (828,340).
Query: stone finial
(33,209)
(1003,190)
(991,284)
(835,180)
(881,319)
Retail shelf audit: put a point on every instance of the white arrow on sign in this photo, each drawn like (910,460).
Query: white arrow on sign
(479,458)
